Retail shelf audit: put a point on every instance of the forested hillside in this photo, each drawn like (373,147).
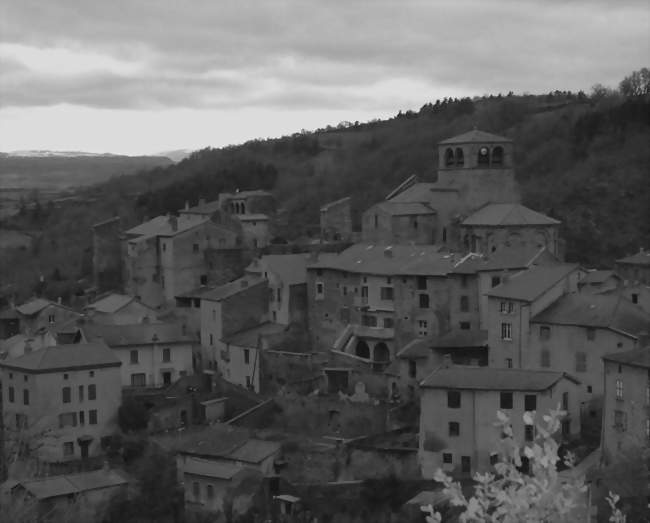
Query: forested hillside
(582,159)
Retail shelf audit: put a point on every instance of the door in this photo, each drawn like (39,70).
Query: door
(466,464)
(167,378)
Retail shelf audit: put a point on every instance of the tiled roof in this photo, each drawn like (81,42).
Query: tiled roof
(230,289)
(640,258)
(136,334)
(530,284)
(290,268)
(488,378)
(54,486)
(211,469)
(475,136)
(425,260)
(405,208)
(417,348)
(34,306)
(607,311)
(505,258)
(250,337)
(598,276)
(254,451)
(507,214)
(636,357)
(161,226)
(252,217)
(217,440)
(111,303)
(205,208)
(79,355)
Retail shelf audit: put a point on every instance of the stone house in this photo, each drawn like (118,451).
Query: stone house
(40,313)
(513,303)
(599,281)
(458,409)
(152,355)
(635,268)
(66,397)
(336,220)
(626,405)
(119,309)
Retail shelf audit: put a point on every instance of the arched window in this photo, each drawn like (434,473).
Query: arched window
(362,350)
(449,157)
(484,156)
(497,156)
(460,158)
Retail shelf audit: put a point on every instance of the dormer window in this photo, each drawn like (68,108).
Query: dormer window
(484,156)
(460,158)
(449,157)
(497,156)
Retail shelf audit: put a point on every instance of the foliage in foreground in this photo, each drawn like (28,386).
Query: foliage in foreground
(513,496)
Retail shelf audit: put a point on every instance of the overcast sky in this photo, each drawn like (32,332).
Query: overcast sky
(141,76)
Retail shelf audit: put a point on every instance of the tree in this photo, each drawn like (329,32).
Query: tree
(514,496)
(636,84)
(132,415)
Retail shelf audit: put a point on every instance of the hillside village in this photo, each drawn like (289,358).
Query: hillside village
(280,379)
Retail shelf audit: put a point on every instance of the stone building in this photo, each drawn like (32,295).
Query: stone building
(459,409)
(336,220)
(39,313)
(635,268)
(107,253)
(65,396)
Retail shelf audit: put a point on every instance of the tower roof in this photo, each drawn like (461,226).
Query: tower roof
(475,136)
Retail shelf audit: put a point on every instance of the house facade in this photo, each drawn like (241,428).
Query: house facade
(65,398)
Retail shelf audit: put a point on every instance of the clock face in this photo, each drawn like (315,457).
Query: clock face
(483,151)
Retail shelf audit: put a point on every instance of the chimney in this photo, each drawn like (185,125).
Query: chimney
(388,252)
(173,222)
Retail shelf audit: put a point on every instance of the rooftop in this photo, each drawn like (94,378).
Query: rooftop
(530,284)
(606,311)
(405,208)
(327,206)
(418,192)
(460,339)
(162,226)
(250,337)
(475,136)
(136,334)
(425,260)
(203,208)
(78,355)
(35,306)
(111,303)
(211,469)
(252,217)
(640,258)
(245,194)
(417,348)
(487,378)
(598,276)
(291,269)
(54,486)
(505,258)
(507,214)
(636,357)
(230,289)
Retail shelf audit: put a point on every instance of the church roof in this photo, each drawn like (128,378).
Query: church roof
(475,136)
(503,214)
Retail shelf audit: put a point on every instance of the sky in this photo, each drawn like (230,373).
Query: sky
(145,76)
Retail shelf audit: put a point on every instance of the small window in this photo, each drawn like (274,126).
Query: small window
(167,355)
(92,417)
(454,429)
(82,418)
(620,420)
(66,394)
(494,458)
(544,332)
(509,363)
(412,368)
(590,389)
(422,283)
(12,397)
(247,356)
(497,156)
(506,331)
(65,376)
(68,448)
(195,247)
(530,402)
(196,492)
(248,382)
(25,397)
(565,401)
(389,323)
(134,356)
(447,458)
(25,378)
(591,333)
(138,380)
(81,393)
(464,304)
(460,158)
(320,289)
(635,298)
(529,432)
(449,157)
(211,339)
(92,392)
(424,301)
(453,399)
(505,400)
(465,325)
(210,492)
(203,279)
(386,293)
(91,374)
(51,318)
(581,362)
(496,280)
(423,329)
(619,389)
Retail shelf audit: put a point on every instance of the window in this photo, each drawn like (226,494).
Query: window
(210,492)
(545,358)
(67,419)
(65,376)
(530,402)
(25,377)
(368,320)
(386,293)
(51,318)
(138,379)
(635,298)
(167,355)
(463,280)
(619,389)
(423,328)
(506,400)
(66,394)
(454,428)
(412,368)
(465,325)
(466,464)
(581,361)
(134,356)
(82,418)
(591,333)
(320,290)
(422,283)
(565,401)
(376,221)
(460,159)
(453,399)
(494,458)
(620,420)
(21,421)
(424,301)
(388,323)
(589,389)
(68,448)
(11,395)
(511,307)
(247,356)
(195,247)
(81,393)
(502,307)
(544,332)
(509,363)
(506,331)
(447,458)
(211,339)
(92,392)
(248,382)
(464,304)
(449,157)
(92,417)
(25,397)
(495,280)
(91,374)
(196,492)
(529,432)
